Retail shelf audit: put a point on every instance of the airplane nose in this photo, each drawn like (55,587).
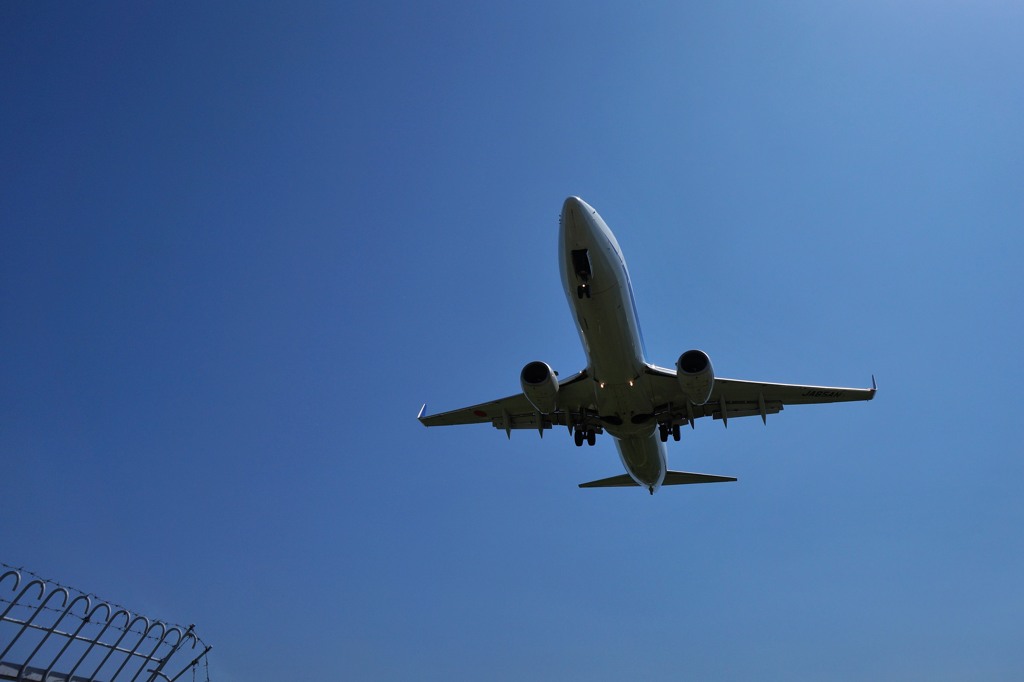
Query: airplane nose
(572,202)
(573,211)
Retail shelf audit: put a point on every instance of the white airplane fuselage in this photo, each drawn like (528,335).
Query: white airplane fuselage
(600,295)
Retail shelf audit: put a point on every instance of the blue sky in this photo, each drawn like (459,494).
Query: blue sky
(243,242)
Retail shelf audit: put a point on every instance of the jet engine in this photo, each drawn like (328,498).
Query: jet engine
(539,386)
(695,376)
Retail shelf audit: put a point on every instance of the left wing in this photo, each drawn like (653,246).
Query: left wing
(737,398)
(575,400)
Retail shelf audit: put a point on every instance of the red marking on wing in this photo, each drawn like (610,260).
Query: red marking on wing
(480,413)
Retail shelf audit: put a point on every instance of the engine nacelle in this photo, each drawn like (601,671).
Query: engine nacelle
(695,375)
(540,386)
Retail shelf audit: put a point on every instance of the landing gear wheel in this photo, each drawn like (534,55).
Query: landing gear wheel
(591,438)
(675,432)
(663,432)
(577,436)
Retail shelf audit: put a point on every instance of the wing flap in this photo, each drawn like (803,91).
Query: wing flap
(786,394)
(741,408)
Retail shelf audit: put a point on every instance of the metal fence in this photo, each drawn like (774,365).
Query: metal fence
(52,633)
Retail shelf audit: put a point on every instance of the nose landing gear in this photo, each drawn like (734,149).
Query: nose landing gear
(581,266)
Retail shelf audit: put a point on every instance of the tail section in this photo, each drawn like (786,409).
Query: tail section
(671,478)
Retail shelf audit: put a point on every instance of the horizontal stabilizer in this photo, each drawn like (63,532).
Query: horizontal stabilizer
(684,477)
(671,478)
(620,481)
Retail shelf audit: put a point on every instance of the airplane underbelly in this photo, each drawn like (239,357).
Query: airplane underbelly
(613,351)
(625,410)
(644,459)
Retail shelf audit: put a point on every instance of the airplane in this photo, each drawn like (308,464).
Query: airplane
(619,393)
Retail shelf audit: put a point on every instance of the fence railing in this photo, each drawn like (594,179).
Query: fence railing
(52,633)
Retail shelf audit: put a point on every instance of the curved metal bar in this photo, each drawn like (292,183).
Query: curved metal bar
(73,637)
(173,649)
(99,637)
(53,628)
(182,638)
(39,609)
(181,635)
(187,636)
(42,591)
(152,654)
(135,648)
(17,578)
(113,648)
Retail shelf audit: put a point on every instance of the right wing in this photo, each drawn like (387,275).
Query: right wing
(575,397)
(737,398)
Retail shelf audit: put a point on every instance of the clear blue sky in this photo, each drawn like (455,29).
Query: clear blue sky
(242,242)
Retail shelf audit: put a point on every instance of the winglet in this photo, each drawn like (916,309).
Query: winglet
(420,415)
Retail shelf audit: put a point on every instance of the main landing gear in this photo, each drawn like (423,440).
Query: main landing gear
(579,435)
(665,429)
